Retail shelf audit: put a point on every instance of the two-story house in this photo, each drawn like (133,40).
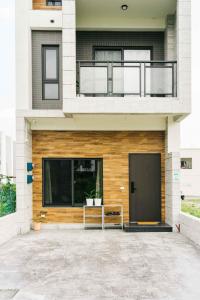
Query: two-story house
(102,87)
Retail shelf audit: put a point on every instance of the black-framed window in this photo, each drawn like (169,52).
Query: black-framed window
(54,2)
(50,72)
(66,181)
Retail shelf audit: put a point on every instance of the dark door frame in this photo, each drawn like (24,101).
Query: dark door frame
(129,181)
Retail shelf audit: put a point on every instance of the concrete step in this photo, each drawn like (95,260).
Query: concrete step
(134,227)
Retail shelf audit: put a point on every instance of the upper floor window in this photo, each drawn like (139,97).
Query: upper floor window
(186,163)
(54,2)
(50,72)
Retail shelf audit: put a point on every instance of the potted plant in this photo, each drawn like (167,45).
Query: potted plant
(38,220)
(78,90)
(98,198)
(90,197)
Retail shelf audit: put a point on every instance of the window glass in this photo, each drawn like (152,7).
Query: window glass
(108,55)
(87,178)
(67,181)
(57,182)
(186,163)
(51,63)
(51,91)
(50,69)
(132,76)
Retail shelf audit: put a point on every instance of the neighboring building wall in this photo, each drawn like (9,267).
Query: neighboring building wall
(86,40)
(40,38)
(14,161)
(7,155)
(190,178)
(113,147)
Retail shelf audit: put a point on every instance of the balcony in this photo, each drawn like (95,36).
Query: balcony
(126,78)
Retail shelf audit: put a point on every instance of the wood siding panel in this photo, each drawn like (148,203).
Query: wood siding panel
(113,147)
(41,4)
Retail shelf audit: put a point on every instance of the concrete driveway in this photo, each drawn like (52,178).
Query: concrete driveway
(87,265)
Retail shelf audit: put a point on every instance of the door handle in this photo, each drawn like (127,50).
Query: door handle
(133,189)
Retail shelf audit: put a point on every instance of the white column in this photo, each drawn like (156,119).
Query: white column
(24,190)
(184,51)
(69,49)
(172,174)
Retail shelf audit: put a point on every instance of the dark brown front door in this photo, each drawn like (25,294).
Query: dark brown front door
(145,187)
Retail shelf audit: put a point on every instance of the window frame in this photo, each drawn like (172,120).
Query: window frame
(72,185)
(44,79)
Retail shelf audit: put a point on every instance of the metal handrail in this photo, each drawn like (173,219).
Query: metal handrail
(128,61)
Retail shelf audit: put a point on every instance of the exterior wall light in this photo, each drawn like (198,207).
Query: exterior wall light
(30,179)
(124,7)
(30,166)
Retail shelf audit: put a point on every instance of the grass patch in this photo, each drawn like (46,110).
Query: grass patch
(191,207)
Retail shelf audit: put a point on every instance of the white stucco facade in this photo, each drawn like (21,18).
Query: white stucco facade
(190,177)
(100,113)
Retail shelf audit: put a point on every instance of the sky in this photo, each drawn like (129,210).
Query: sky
(190,127)
(7,68)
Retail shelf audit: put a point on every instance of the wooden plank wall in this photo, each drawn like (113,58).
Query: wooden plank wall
(41,4)
(113,147)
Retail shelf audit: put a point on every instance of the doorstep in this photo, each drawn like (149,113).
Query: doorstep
(133,227)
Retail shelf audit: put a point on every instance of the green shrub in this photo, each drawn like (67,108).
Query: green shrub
(7,198)
(191,207)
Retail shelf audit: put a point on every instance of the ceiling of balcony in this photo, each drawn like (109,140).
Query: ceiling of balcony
(108,15)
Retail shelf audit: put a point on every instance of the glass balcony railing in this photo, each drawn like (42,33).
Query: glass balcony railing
(127,78)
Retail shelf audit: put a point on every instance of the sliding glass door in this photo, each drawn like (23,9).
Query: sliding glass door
(106,56)
(132,76)
(66,181)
